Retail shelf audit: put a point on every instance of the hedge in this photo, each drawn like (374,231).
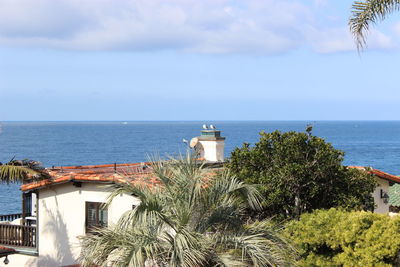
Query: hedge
(342,238)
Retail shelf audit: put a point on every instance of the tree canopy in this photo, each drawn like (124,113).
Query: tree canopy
(298,172)
(189,219)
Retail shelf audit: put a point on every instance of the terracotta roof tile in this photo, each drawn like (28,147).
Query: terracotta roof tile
(138,173)
(379,173)
(111,173)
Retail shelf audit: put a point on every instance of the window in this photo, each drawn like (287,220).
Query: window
(96,216)
(27,204)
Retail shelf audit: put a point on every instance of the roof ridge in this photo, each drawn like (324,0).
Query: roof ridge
(98,166)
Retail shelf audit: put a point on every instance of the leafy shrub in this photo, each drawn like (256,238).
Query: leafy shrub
(299,172)
(342,238)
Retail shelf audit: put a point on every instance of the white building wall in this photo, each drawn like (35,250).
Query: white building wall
(33,205)
(380,206)
(213,151)
(62,220)
(18,260)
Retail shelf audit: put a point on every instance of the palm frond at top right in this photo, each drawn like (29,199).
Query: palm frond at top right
(365,13)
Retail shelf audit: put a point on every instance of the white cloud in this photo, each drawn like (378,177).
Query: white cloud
(340,40)
(207,26)
(320,3)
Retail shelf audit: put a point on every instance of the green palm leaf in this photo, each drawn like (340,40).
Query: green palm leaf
(365,13)
(14,174)
(190,219)
(17,171)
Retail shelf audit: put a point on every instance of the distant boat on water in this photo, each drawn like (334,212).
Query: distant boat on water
(125,122)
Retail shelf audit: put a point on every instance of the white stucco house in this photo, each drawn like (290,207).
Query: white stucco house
(57,211)
(67,207)
(381,193)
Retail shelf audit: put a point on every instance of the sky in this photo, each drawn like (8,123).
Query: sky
(193,60)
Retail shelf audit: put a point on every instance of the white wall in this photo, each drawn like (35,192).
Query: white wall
(62,220)
(18,260)
(380,206)
(33,205)
(213,151)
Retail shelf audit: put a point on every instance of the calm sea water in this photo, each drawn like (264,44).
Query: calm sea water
(367,143)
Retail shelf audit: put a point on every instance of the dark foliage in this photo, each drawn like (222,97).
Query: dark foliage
(298,172)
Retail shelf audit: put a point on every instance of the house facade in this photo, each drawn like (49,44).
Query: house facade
(69,206)
(381,193)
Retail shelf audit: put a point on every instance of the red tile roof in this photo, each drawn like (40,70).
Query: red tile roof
(138,173)
(111,173)
(380,174)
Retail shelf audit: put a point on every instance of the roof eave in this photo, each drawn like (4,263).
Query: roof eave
(64,182)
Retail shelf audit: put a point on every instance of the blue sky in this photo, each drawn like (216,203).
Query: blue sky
(193,60)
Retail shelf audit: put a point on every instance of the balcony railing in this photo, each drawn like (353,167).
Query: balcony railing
(18,235)
(10,217)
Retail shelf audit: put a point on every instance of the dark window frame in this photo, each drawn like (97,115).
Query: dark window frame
(27,204)
(98,223)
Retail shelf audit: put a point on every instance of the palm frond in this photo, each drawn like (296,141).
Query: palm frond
(187,248)
(14,174)
(189,219)
(260,244)
(150,211)
(120,247)
(228,189)
(365,13)
(17,171)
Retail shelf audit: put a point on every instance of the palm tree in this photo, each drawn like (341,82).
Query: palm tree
(18,171)
(190,219)
(367,12)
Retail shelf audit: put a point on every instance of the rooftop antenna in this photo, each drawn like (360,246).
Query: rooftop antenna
(205,127)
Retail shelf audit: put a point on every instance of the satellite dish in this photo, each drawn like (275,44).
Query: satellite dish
(194,142)
(212,127)
(205,127)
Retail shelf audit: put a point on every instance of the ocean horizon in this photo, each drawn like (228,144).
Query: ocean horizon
(66,143)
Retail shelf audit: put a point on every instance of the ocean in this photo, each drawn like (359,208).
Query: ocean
(366,143)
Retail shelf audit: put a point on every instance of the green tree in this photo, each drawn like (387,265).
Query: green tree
(192,218)
(18,171)
(367,12)
(298,172)
(339,238)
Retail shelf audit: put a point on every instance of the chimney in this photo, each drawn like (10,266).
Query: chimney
(210,144)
